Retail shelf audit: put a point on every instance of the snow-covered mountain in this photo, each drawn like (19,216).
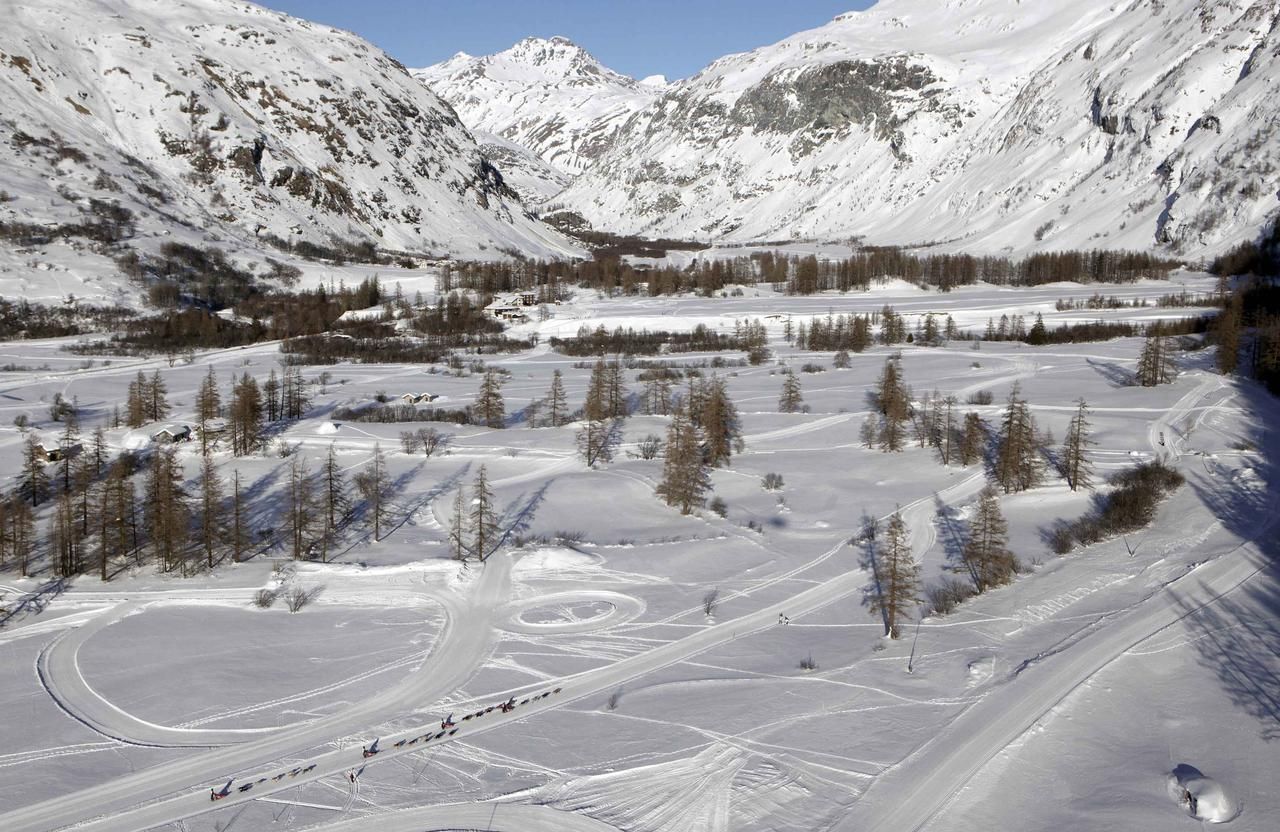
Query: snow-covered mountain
(221,117)
(549,96)
(985,124)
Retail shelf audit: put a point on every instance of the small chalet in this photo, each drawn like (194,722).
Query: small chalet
(418,398)
(56,452)
(169,434)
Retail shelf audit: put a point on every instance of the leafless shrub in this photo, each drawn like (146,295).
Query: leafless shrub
(948,595)
(981,397)
(409,442)
(1061,539)
(649,447)
(808,663)
(264,598)
(709,601)
(1130,506)
(432,440)
(298,597)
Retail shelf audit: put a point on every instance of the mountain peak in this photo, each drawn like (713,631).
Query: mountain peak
(548,95)
(556,59)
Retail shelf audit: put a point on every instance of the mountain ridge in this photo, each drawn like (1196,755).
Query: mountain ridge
(221,118)
(991,125)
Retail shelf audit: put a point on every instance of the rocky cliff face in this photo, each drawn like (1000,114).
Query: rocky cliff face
(549,96)
(982,124)
(227,118)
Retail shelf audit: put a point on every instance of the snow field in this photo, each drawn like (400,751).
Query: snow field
(671,721)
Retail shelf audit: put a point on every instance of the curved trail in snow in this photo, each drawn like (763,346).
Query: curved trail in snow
(463,644)
(169,789)
(58,667)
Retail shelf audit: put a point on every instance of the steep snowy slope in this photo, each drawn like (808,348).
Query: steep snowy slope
(988,124)
(549,96)
(221,116)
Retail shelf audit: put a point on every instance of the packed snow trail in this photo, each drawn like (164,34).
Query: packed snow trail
(907,796)
(912,792)
(208,768)
(499,817)
(59,670)
(72,808)
(462,646)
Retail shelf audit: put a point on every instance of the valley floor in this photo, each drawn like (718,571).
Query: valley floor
(1067,699)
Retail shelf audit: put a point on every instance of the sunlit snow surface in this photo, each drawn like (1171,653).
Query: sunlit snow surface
(670,719)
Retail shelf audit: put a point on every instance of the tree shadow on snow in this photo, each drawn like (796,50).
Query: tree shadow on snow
(1115,375)
(1238,635)
(518,516)
(953,533)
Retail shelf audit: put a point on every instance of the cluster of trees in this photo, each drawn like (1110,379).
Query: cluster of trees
(808,275)
(251,410)
(184,324)
(627,341)
(935,424)
(103,221)
(23,319)
(1156,363)
(704,432)
(182,274)
(804,275)
(146,400)
(104,518)
(1017,462)
(473,523)
(855,333)
(1256,257)
(1247,331)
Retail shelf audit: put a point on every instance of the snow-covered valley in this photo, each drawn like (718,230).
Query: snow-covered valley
(128,701)
(513,444)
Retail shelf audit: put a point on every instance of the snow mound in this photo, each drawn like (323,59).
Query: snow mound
(1202,797)
(328,427)
(555,559)
(136,440)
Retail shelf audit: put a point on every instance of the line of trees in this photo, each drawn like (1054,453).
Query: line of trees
(106,519)
(806,275)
